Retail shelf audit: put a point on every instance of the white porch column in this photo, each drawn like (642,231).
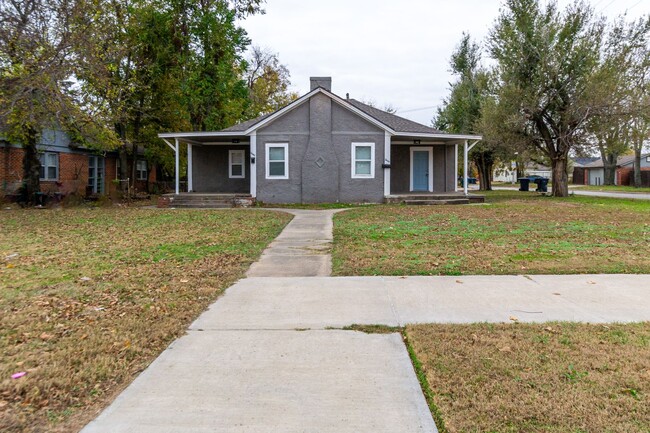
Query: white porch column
(178,175)
(190,186)
(456,167)
(386,161)
(253,163)
(465,168)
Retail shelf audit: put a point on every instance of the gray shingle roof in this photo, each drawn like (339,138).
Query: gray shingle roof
(622,160)
(396,123)
(241,127)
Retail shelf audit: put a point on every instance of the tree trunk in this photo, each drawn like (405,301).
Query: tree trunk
(637,167)
(560,179)
(609,166)
(31,169)
(484,169)
(122,154)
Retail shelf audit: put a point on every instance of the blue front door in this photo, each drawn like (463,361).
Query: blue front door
(420,170)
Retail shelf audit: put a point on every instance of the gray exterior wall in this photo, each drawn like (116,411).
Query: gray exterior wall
(210,171)
(444,172)
(320,134)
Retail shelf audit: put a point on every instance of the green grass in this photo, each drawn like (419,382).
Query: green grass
(88,297)
(513,233)
(546,378)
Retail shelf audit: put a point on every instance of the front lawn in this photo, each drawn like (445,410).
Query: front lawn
(89,297)
(553,377)
(513,233)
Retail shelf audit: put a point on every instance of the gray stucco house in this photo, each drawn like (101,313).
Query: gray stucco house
(323,148)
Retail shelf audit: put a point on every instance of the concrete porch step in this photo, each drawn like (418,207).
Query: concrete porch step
(207,200)
(437,202)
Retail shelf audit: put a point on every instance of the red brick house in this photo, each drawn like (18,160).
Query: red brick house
(68,169)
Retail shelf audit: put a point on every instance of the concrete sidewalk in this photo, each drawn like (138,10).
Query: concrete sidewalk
(319,303)
(578,191)
(264,357)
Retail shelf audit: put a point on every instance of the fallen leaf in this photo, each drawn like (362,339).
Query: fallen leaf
(514,319)
(459,281)
(18,375)
(505,349)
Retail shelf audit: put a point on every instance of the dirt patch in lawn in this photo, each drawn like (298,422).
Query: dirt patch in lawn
(89,297)
(557,377)
(514,233)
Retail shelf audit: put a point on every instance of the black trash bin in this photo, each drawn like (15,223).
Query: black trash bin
(525,183)
(542,184)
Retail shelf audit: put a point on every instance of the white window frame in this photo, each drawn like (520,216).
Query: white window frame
(285,146)
(139,171)
(354,160)
(45,157)
(97,181)
(232,152)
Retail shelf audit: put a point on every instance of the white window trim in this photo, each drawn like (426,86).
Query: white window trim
(286,160)
(45,158)
(243,163)
(430,176)
(353,161)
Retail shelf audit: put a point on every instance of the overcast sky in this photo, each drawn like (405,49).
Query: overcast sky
(387,51)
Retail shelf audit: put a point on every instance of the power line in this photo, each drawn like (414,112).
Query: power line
(417,109)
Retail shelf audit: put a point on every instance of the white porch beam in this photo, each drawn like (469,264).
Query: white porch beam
(190,186)
(177,172)
(253,162)
(171,146)
(387,152)
(466,150)
(456,167)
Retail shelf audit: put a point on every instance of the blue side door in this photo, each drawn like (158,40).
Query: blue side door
(420,170)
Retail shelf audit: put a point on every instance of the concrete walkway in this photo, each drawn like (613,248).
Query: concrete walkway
(301,250)
(264,357)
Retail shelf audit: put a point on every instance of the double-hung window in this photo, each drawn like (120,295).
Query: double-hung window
(49,166)
(363,160)
(96,174)
(141,169)
(236,168)
(277,161)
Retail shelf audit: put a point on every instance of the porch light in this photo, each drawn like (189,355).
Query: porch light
(252,158)
(416,141)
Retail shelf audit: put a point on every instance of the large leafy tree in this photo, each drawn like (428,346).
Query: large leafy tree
(616,92)
(461,112)
(639,88)
(36,91)
(546,59)
(157,65)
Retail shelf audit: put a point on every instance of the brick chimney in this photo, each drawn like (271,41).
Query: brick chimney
(324,82)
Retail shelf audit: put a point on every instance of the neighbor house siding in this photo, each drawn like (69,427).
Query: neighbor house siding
(211,170)
(11,168)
